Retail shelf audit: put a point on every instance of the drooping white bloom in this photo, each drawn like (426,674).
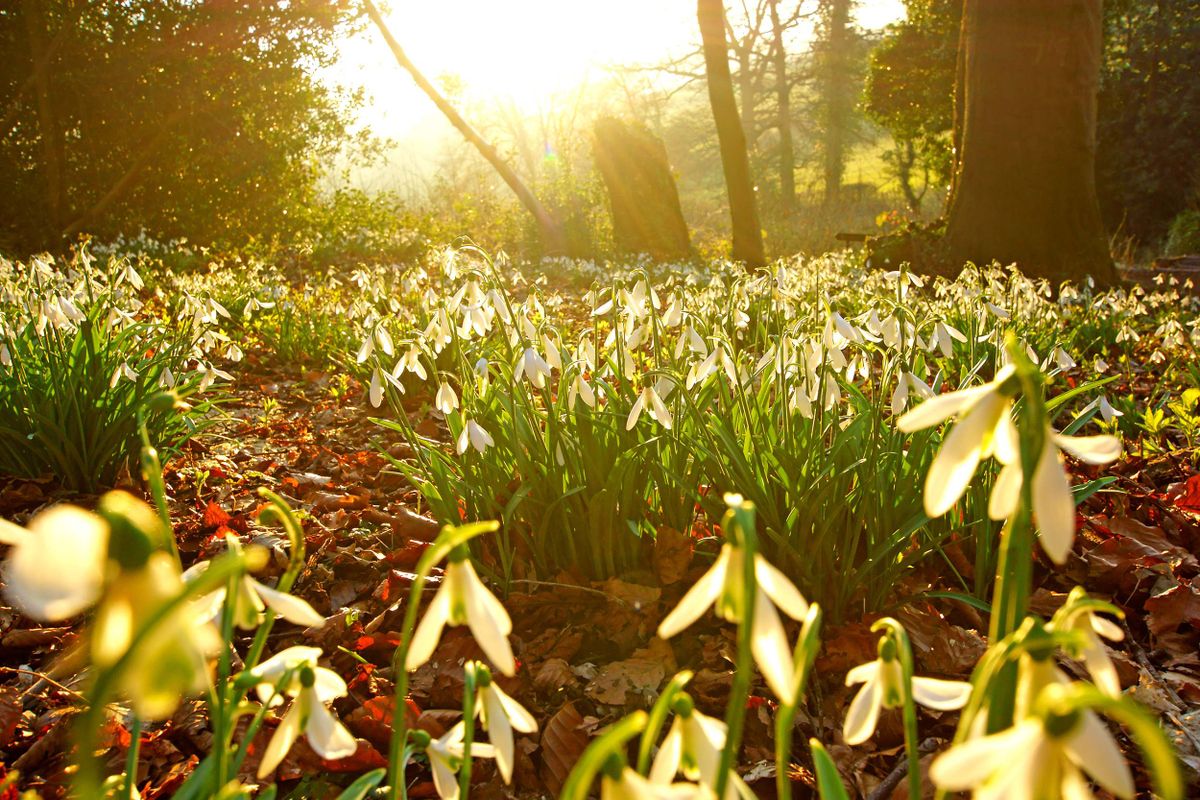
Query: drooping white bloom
(122,370)
(908,384)
(533,367)
(649,401)
(475,436)
(446,400)
(446,756)
(631,786)
(311,687)
(1091,627)
(943,339)
(463,599)
(500,715)
(253,598)
(720,587)
(1053,502)
(1029,761)
(581,389)
(982,411)
(883,687)
(410,362)
(718,358)
(169,663)
(55,569)
(692,746)
(375,391)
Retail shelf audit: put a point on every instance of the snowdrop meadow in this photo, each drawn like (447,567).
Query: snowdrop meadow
(782,487)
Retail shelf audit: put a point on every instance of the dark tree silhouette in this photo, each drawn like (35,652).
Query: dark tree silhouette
(743,208)
(1024,187)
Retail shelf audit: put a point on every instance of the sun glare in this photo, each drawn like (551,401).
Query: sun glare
(522,52)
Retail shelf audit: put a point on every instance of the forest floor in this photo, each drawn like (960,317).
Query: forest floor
(587,651)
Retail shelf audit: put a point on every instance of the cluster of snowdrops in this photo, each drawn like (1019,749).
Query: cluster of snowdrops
(614,416)
(159,634)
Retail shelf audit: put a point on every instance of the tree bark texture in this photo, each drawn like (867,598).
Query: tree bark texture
(1025,189)
(743,208)
(646,214)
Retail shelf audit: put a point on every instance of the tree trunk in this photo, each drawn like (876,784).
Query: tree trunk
(50,132)
(1025,190)
(551,233)
(783,101)
(838,99)
(646,214)
(743,209)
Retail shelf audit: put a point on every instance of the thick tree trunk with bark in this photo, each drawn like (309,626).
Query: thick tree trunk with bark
(1025,189)
(783,102)
(838,97)
(646,214)
(743,209)
(550,231)
(50,132)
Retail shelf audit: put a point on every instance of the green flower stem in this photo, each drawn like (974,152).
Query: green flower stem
(895,631)
(803,659)
(131,758)
(740,522)
(1014,573)
(87,777)
(658,716)
(464,772)
(611,741)
(449,538)
(219,711)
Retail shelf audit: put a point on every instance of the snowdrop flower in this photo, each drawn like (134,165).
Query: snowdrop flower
(252,599)
(446,756)
(463,599)
(650,401)
(982,412)
(1062,359)
(169,663)
(908,384)
(581,389)
(475,436)
(55,569)
(1053,502)
(533,367)
(123,370)
(943,339)
(500,716)
(693,746)
(410,362)
(631,786)
(719,358)
(1107,412)
(311,687)
(446,400)
(1037,757)
(209,375)
(1091,627)
(883,687)
(720,587)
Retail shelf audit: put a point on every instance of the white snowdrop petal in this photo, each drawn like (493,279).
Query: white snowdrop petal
(1101,449)
(863,714)
(290,607)
(940,408)
(697,600)
(1053,505)
(939,694)
(1094,750)
(782,591)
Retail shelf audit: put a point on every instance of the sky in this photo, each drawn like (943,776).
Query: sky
(520,51)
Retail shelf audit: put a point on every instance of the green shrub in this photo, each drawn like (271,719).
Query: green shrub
(81,357)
